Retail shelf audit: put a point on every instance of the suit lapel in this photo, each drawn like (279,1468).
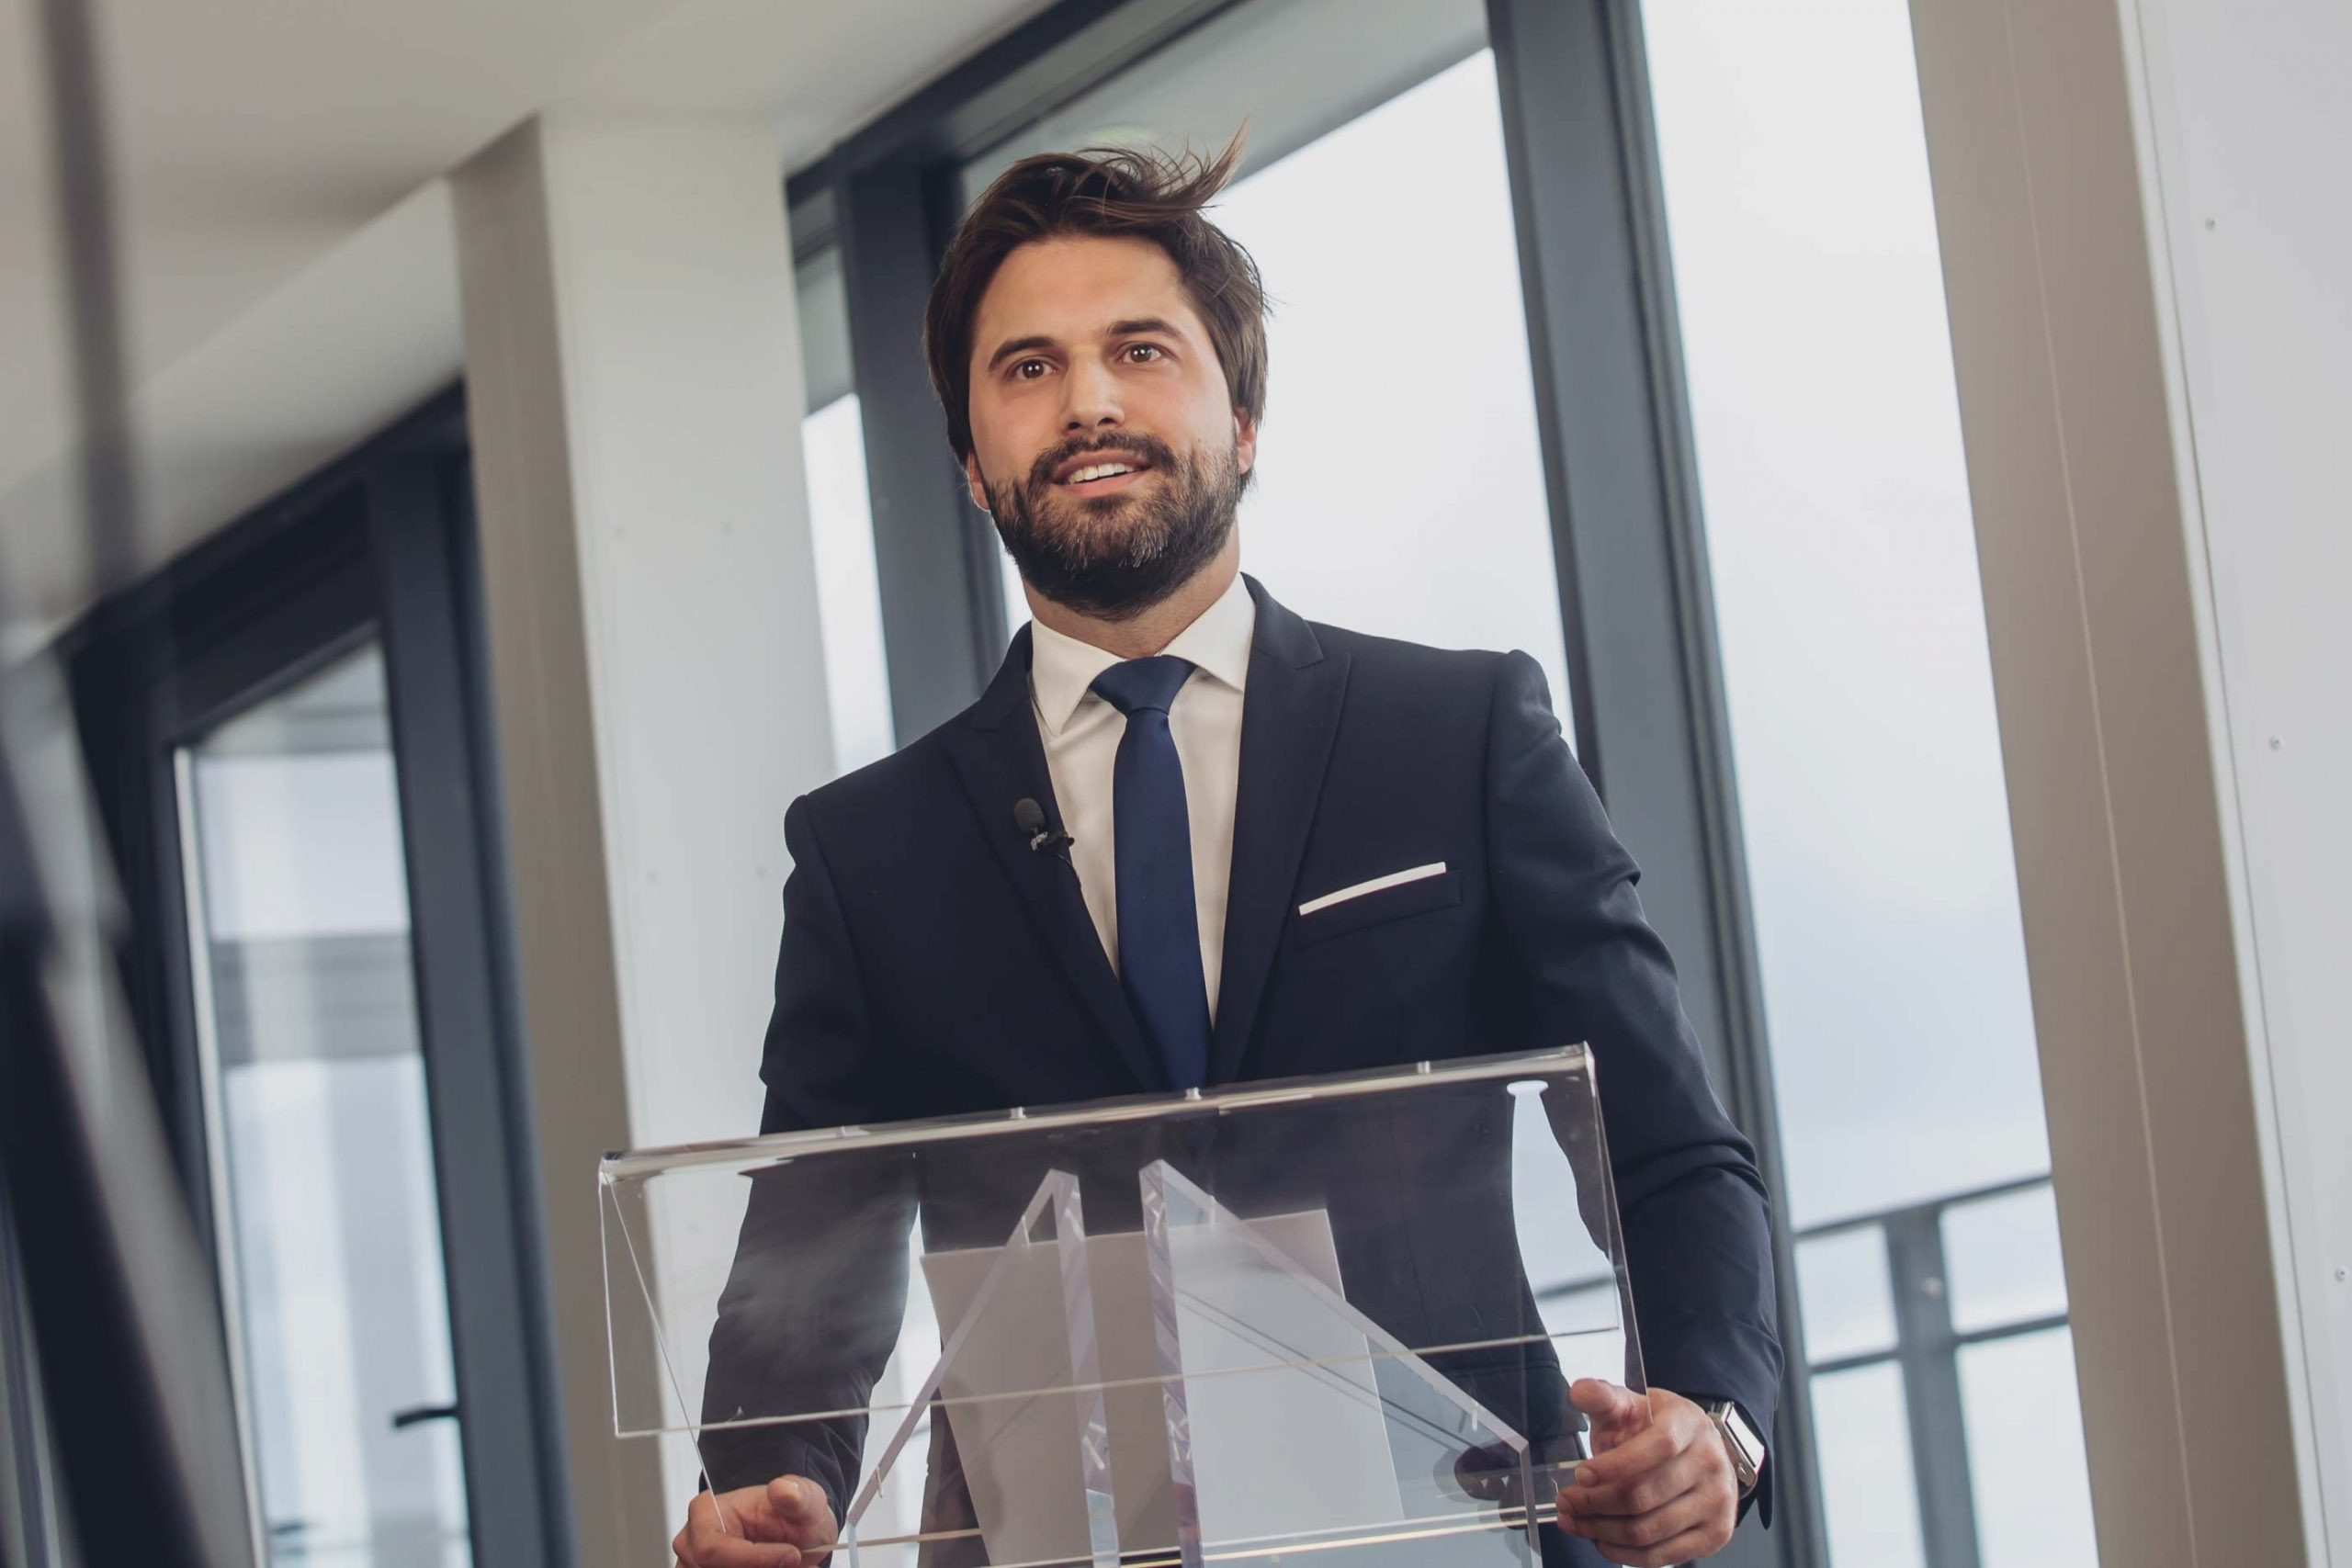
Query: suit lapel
(1290,716)
(998,760)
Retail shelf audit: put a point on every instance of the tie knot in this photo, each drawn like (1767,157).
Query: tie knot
(1149,684)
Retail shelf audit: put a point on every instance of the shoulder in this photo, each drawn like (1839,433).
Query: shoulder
(1393,670)
(1388,655)
(885,797)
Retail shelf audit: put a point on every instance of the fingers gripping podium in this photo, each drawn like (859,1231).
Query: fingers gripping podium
(1334,1315)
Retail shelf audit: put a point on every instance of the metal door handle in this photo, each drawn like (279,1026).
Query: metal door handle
(416,1413)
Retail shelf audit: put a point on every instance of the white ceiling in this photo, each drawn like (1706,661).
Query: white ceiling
(288,283)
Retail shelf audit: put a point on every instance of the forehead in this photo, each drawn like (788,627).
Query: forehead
(1071,287)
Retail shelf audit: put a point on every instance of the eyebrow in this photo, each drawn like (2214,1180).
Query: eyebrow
(1134,326)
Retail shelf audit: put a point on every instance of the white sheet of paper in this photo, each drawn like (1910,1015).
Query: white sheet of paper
(1276,1449)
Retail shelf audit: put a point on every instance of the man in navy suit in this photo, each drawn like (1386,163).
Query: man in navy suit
(1293,850)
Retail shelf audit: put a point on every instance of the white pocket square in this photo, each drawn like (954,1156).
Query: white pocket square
(1394,879)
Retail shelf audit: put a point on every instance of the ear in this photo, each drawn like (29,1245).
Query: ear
(972,485)
(1245,440)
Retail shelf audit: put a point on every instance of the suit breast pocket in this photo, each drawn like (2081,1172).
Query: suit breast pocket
(1416,891)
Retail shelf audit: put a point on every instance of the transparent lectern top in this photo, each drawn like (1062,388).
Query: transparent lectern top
(1339,1314)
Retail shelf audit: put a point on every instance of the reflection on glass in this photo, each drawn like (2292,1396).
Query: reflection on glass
(1864,1446)
(323,1147)
(849,595)
(2001,1257)
(1400,485)
(2025,1451)
(1848,1309)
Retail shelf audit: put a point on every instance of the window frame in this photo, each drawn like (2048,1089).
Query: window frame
(1927,1352)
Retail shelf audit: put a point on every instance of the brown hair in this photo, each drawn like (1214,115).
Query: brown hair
(1110,191)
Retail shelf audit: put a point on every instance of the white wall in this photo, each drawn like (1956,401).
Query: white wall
(2250,132)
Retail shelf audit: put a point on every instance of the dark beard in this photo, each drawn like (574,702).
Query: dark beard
(1114,558)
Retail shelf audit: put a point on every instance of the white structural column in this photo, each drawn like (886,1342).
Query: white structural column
(634,385)
(2154,410)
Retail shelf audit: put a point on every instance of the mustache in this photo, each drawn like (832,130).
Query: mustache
(1150,448)
(1117,565)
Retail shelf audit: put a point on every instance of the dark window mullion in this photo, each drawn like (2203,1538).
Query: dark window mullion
(516,1506)
(943,623)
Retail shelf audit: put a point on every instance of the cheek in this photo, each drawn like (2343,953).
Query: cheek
(1018,444)
(999,461)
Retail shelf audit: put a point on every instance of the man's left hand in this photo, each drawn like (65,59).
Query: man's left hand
(1660,1488)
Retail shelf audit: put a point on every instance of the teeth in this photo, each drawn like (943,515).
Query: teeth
(1097,471)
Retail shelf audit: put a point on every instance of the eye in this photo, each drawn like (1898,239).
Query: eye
(1152,348)
(1023,366)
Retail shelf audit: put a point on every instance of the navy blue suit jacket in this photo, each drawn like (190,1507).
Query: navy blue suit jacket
(932,965)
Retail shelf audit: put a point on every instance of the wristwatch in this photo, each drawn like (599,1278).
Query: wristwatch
(1746,1448)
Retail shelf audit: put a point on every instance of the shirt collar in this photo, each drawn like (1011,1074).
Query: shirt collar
(1062,669)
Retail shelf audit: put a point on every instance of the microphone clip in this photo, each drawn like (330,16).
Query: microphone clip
(1030,819)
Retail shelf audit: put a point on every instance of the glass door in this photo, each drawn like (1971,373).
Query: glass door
(319,1130)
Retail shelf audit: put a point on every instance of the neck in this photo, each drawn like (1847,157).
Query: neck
(1155,628)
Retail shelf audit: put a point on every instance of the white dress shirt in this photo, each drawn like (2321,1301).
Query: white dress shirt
(1081,733)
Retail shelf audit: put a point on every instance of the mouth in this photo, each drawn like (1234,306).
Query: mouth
(1103,474)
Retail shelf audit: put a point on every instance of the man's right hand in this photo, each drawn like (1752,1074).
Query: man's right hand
(786,1524)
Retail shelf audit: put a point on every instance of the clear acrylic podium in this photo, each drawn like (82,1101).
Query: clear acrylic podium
(1334,1317)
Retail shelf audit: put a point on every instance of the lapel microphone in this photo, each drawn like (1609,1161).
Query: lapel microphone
(1030,817)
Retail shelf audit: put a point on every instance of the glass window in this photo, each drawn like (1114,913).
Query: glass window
(314,1083)
(1849,1310)
(2001,1258)
(849,593)
(841,525)
(1400,485)
(1842,555)
(1843,567)
(2025,1451)
(1862,1430)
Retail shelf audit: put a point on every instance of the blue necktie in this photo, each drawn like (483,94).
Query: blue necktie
(1159,932)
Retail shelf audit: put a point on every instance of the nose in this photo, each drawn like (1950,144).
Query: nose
(1090,397)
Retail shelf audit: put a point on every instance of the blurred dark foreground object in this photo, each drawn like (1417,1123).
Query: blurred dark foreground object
(124,1320)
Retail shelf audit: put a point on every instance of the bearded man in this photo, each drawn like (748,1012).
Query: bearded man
(1291,850)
